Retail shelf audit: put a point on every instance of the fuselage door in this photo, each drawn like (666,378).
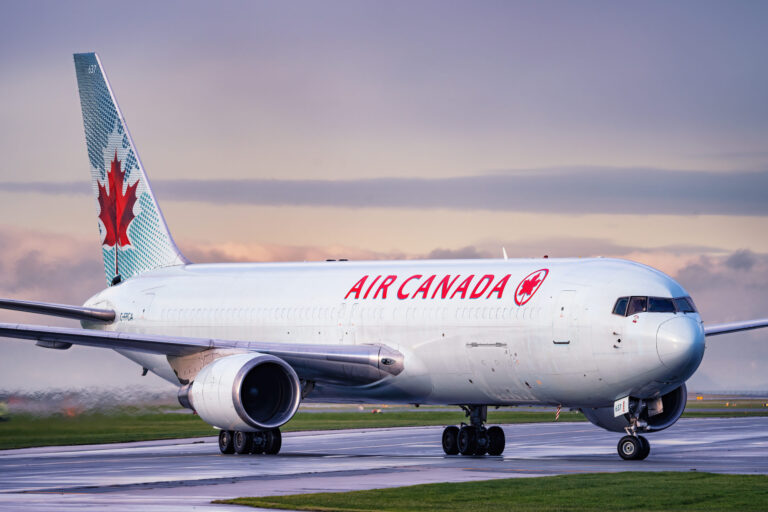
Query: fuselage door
(564,325)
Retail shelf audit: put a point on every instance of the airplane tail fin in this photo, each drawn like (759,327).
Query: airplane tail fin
(134,235)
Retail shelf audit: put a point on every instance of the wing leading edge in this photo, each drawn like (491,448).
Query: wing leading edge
(350,364)
(714,330)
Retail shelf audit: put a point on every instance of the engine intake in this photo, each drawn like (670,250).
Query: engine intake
(659,413)
(246,392)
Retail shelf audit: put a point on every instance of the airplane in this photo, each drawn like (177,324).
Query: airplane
(247,343)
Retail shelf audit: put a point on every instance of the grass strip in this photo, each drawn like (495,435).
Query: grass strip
(125,425)
(724,414)
(596,492)
(725,404)
(24,431)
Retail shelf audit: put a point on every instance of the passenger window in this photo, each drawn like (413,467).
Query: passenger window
(660,305)
(637,305)
(621,306)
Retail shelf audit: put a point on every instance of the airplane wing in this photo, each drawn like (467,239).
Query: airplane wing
(714,330)
(350,364)
(62,310)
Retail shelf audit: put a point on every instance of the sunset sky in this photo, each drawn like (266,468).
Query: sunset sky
(367,130)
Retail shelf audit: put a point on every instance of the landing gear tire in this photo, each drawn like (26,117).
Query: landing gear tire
(225,442)
(474,438)
(451,440)
(467,441)
(259,442)
(243,442)
(631,448)
(273,441)
(481,441)
(646,448)
(495,441)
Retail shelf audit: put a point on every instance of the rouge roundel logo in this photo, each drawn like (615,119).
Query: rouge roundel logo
(529,286)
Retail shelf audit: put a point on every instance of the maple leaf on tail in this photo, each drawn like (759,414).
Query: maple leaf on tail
(116,207)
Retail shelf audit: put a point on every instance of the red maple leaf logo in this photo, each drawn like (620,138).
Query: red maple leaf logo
(116,206)
(529,285)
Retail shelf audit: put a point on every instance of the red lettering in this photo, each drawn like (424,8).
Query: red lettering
(400,294)
(424,288)
(357,288)
(445,285)
(499,288)
(488,278)
(383,287)
(463,287)
(371,287)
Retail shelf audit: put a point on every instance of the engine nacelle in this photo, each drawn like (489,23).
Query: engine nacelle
(246,392)
(659,413)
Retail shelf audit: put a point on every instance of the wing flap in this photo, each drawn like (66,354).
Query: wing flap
(714,330)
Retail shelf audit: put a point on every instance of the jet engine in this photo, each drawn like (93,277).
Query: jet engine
(656,414)
(244,392)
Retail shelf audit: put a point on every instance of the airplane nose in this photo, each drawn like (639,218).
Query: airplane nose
(680,345)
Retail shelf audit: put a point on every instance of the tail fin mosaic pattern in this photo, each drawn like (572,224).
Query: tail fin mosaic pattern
(134,235)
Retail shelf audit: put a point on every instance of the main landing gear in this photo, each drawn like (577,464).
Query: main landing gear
(243,443)
(473,439)
(633,446)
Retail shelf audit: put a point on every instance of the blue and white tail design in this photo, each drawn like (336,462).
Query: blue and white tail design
(134,235)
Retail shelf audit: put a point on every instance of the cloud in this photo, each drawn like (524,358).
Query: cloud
(49,267)
(730,288)
(741,260)
(244,252)
(579,190)
(469,252)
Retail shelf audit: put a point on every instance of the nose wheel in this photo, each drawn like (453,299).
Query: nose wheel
(474,439)
(633,448)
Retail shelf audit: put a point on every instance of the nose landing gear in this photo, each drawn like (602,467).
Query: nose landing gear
(633,446)
(474,439)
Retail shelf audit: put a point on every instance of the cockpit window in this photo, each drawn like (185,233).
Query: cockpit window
(637,305)
(621,306)
(685,305)
(627,306)
(660,305)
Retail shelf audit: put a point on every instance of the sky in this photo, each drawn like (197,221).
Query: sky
(296,131)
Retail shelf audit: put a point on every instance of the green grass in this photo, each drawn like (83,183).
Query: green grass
(741,403)
(23,430)
(585,492)
(126,424)
(725,413)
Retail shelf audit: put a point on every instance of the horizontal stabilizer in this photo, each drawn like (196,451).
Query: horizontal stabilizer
(714,330)
(62,310)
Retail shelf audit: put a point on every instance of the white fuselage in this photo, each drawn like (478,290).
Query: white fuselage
(495,340)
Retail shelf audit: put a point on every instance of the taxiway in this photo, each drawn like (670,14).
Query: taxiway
(181,474)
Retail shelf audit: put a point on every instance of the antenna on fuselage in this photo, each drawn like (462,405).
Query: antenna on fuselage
(504,253)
